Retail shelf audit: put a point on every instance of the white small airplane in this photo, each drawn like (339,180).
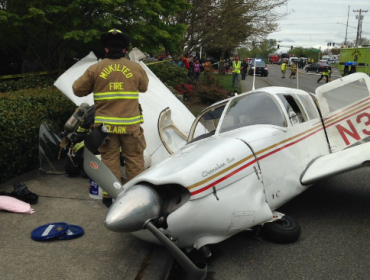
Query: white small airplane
(240,160)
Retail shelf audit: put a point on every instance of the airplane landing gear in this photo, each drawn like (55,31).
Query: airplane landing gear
(284,230)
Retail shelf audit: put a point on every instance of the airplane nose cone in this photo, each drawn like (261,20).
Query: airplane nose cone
(132,209)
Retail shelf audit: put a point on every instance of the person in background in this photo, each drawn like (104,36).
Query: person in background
(283,68)
(244,69)
(180,64)
(185,61)
(191,64)
(293,69)
(197,69)
(115,83)
(207,67)
(236,67)
(326,74)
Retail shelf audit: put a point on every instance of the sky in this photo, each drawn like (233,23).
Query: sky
(314,23)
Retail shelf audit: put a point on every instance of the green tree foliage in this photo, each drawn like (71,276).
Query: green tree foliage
(54,30)
(230,23)
(261,49)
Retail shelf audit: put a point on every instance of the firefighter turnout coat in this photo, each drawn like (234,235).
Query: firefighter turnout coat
(116,84)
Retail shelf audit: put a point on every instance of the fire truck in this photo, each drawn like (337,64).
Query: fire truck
(352,60)
(274,58)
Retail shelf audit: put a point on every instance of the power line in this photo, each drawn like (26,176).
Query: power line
(313,34)
(317,23)
(312,17)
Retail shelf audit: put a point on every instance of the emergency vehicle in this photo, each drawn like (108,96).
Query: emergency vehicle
(354,60)
(274,58)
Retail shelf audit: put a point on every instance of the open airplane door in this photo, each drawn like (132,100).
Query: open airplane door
(171,136)
(345,108)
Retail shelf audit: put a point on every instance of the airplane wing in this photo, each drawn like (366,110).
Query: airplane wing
(336,163)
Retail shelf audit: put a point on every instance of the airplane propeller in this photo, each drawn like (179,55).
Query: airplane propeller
(134,210)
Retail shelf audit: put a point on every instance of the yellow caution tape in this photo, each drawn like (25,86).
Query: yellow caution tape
(155,62)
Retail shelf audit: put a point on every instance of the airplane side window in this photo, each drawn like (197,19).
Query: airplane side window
(309,106)
(293,108)
(207,123)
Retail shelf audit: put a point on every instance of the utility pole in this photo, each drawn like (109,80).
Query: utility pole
(359,26)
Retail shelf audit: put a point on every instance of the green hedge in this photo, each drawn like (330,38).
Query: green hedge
(169,73)
(28,81)
(21,114)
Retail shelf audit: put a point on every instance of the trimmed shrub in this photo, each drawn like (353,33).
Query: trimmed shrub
(185,89)
(28,81)
(210,93)
(169,73)
(22,112)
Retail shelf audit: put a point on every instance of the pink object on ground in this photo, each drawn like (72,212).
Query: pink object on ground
(12,204)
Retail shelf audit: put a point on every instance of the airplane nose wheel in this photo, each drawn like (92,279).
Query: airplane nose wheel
(284,230)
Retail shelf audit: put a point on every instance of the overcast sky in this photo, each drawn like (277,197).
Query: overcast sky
(314,23)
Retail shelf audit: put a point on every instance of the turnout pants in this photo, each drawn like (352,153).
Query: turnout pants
(132,146)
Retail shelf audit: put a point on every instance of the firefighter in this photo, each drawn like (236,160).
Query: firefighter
(293,70)
(326,74)
(283,68)
(116,83)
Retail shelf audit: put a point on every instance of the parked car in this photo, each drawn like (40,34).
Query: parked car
(317,67)
(261,68)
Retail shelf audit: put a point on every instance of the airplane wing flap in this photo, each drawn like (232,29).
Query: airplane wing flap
(336,163)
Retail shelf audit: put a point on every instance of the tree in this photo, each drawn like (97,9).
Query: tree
(198,19)
(55,29)
(229,23)
(261,50)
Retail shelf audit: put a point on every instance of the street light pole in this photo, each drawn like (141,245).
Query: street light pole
(319,54)
(345,39)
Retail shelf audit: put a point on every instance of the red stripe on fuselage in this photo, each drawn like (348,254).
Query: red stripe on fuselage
(271,153)
(251,162)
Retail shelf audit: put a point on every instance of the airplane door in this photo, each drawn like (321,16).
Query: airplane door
(345,108)
(171,136)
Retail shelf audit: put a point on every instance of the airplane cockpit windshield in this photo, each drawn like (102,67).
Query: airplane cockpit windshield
(207,123)
(253,109)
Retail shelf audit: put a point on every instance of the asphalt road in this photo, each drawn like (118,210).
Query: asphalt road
(305,81)
(333,215)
